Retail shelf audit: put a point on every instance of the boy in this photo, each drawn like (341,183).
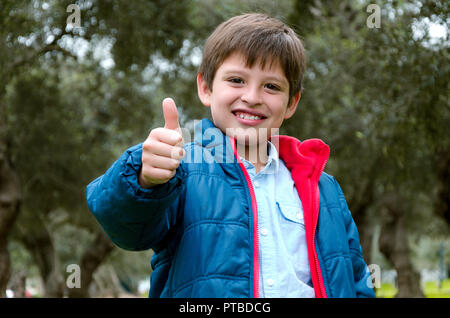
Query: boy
(241,211)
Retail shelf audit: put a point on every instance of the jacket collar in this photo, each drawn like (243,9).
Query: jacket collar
(207,135)
(307,158)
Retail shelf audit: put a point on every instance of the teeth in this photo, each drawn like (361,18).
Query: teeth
(249,117)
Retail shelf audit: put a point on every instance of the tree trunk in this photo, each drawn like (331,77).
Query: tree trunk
(5,267)
(360,212)
(10,200)
(393,243)
(359,207)
(365,227)
(442,201)
(18,284)
(92,258)
(39,243)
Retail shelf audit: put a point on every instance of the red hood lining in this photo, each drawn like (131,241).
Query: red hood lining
(310,154)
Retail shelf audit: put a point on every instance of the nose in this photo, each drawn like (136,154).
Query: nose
(252,96)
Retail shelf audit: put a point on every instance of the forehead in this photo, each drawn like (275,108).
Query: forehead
(237,61)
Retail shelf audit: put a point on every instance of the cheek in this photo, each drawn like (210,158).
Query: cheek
(225,96)
(279,104)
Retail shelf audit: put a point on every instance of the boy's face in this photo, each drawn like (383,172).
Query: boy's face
(248,104)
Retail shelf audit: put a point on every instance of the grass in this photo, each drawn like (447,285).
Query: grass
(432,290)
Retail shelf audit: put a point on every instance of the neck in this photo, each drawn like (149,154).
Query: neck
(256,154)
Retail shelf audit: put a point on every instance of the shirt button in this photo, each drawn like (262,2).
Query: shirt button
(270,282)
(256,183)
(264,232)
(299,216)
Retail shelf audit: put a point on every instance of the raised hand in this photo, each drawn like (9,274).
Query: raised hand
(163,149)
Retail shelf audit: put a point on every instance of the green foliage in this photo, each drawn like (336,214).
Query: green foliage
(431,290)
(379,97)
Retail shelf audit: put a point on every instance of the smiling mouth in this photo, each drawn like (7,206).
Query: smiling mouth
(248,116)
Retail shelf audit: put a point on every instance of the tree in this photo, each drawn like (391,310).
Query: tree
(36,65)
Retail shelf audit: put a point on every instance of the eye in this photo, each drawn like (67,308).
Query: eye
(235,80)
(272,87)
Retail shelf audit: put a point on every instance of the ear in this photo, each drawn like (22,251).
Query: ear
(290,110)
(203,91)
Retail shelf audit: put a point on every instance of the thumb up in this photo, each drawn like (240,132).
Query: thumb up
(163,149)
(170,113)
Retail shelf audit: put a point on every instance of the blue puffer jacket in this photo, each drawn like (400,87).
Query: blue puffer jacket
(202,224)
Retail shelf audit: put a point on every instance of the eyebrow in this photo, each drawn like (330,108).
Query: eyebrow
(277,79)
(280,80)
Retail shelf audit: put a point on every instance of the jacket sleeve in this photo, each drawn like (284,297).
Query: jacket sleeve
(133,217)
(363,281)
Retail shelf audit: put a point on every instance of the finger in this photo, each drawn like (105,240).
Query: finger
(167,136)
(158,175)
(170,113)
(162,162)
(164,149)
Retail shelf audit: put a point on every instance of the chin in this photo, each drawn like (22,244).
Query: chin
(250,140)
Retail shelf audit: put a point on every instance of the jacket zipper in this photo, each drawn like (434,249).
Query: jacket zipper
(255,223)
(316,259)
(316,201)
(255,235)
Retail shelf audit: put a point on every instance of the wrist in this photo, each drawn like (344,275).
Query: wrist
(143,183)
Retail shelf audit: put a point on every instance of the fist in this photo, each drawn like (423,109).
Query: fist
(163,149)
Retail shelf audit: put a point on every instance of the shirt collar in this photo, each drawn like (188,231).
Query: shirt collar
(273,160)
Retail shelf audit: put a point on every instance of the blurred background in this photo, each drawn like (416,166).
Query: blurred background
(76,93)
